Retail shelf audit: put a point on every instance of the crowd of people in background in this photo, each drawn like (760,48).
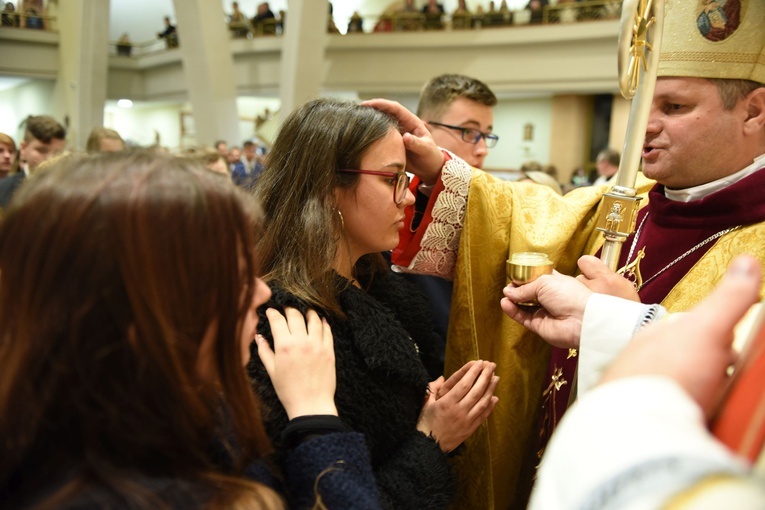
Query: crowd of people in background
(400,18)
(28,17)
(245,163)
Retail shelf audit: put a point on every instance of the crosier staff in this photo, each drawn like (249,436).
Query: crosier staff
(642,24)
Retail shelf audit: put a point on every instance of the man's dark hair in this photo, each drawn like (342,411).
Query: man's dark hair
(43,128)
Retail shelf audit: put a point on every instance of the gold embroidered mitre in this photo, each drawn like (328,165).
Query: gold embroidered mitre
(714,39)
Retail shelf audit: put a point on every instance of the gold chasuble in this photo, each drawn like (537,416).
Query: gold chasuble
(471,227)
(501,219)
(498,461)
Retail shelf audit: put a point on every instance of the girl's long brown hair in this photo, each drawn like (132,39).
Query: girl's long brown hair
(296,190)
(112,270)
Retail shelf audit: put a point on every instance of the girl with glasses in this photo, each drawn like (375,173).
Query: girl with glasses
(334,193)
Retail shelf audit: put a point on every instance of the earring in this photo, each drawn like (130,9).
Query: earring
(342,221)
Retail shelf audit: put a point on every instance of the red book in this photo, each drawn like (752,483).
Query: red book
(740,421)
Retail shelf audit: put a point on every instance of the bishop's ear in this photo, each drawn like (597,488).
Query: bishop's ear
(755,119)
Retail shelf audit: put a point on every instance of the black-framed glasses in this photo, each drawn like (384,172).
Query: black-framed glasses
(400,184)
(471,135)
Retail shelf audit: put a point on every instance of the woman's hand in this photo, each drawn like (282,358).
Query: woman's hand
(423,157)
(456,407)
(302,364)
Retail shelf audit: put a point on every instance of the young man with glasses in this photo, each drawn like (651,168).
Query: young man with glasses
(457,111)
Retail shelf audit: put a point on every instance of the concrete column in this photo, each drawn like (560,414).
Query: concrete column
(80,89)
(302,65)
(208,67)
(570,133)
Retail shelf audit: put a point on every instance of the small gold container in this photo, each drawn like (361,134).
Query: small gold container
(525,267)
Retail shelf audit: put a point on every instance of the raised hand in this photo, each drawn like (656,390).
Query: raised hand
(302,364)
(562,301)
(453,413)
(423,157)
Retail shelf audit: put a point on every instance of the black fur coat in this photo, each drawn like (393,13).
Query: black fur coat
(380,352)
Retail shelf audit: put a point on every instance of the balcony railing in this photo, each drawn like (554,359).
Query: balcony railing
(562,12)
(27,20)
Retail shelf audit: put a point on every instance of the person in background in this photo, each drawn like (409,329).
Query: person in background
(461,17)
(103,139)
(579,178)
(124,46)
(238,22)
(355,24)
(209,158)
(334,192)
(32,19)
(127,389)
(9,17)
(247,173)
(43,139)
(222,147)
(234,159)
(434,13)
(169,34)
(7,155)
(607,164)
(263,23)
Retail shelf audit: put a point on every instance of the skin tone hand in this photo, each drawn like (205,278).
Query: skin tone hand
(562,301)
(423,157)
(598,277)
(302,364)
(694,349)
(451,415)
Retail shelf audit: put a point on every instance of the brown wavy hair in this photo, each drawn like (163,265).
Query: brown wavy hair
(114,269)
(297,192)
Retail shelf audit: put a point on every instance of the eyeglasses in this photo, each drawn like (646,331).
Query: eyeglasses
(400,181)
(471,135)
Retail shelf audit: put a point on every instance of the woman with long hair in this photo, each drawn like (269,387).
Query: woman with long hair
(333,193)
(127,308)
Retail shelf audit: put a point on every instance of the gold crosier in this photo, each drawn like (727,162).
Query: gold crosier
(642,24)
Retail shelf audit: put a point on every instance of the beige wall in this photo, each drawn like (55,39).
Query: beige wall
(620,114)
(570,133)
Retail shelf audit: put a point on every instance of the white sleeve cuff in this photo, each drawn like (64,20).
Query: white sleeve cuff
(608,325)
